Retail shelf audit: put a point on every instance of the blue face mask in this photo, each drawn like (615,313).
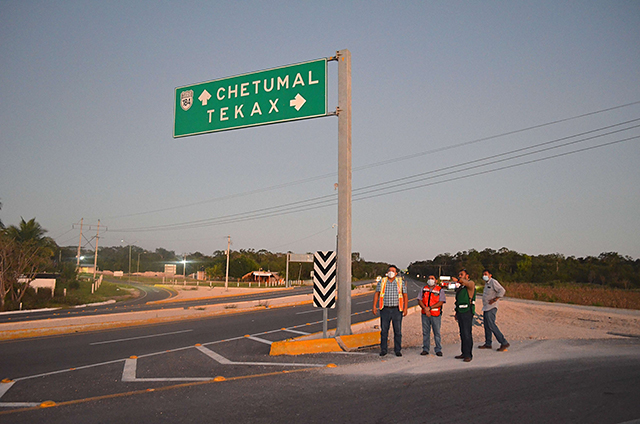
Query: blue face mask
(485,277)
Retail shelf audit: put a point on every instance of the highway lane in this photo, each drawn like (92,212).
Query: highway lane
(40,355)
(601,389)
(152,294)
(142,304)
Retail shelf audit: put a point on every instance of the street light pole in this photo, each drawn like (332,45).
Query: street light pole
(125,241)
(226,278)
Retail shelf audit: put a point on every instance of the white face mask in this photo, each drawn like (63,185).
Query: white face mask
(391,274)
(485,277)
(431,282)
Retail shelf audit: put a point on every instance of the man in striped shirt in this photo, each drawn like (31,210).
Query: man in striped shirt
(391,300)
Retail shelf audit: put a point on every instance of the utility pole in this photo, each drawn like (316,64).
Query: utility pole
(79,245)
(286,281)
(184,266)
(95,260)
(343,327)
(226,278)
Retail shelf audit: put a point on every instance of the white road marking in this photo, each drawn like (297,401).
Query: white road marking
(129,374)
(19,404)
(221,359)
(304,333)
(129,371)
(308,312)
(4,387)
(258,339)
(362,303)
(216,357)
(139,337)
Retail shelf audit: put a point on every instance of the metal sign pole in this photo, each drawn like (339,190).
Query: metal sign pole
(344,193)
(325,318)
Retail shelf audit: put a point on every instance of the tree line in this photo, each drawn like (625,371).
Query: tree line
(25,251)
(607,269)
(241,262)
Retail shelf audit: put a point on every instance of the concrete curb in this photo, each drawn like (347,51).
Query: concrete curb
(313,343)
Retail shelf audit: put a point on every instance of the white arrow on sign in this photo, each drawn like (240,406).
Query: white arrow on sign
(204,97)
(297,101)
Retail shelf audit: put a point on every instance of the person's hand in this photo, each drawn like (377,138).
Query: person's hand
(492,301)
(455,279)
(375,311)
(405,312)
(427,312)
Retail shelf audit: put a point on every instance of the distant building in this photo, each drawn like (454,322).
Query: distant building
(262,277)
(86,269)
(41,281)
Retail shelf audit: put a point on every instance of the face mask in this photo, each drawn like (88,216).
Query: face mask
(431,282)
(485,277)
(391,274)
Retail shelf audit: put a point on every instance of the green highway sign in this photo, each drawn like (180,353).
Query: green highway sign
(287,93)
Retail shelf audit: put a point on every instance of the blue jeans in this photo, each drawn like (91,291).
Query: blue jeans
(428,323)
(491,328)
(388,315)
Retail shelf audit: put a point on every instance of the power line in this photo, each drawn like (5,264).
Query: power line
(375,164)
(506,167)
(329,200)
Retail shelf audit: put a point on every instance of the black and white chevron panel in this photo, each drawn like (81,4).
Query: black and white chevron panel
(324,279)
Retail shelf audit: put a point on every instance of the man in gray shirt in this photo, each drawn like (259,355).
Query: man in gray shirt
(492,292)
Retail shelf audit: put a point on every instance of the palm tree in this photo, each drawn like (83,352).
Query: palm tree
(31,233)
(28,231)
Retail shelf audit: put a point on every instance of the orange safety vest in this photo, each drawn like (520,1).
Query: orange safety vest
(383,286)
(430,300)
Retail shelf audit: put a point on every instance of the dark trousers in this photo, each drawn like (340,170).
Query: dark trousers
(465,322)
(388,315)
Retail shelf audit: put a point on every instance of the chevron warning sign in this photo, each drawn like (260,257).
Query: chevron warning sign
(324,279)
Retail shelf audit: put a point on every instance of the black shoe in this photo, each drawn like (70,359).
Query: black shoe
(484,346)
(438,353)
(424,352)
(467,359)
(383,353)
(459,357)
(398,353)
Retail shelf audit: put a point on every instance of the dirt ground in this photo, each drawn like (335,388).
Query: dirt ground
(526,320)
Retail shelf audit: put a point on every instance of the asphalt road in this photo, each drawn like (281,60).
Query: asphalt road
(150,294)
(163,373)
(153,293)
(584,390)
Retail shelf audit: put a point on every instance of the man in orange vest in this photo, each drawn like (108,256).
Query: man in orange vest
(431,302)
(391,300)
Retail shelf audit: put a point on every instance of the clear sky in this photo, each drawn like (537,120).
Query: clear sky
(86,124)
